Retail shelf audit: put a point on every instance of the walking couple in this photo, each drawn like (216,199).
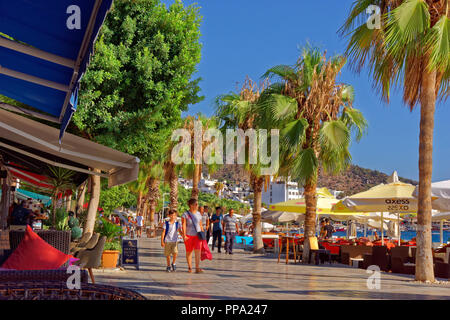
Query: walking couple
(193,234)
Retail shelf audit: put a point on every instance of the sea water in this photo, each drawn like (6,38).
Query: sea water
(405,235)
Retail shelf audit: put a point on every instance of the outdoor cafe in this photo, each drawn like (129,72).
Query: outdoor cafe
(42,63)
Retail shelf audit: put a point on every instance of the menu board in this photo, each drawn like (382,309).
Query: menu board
(130,253)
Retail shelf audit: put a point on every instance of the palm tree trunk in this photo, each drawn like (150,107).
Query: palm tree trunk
(258,245)
(310,216)
(139,200)
(195,182)
(173,205)
(93,203)
(81,197)
(424,255)
(153,194)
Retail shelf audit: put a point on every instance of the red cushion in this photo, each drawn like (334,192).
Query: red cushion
(33,253)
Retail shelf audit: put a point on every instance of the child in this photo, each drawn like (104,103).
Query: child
(169,239)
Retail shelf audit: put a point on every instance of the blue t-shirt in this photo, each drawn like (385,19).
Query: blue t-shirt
(217,226)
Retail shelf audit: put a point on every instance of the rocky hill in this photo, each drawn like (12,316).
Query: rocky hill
(354,180)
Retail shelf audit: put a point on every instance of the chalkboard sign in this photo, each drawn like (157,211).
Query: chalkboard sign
(130,253)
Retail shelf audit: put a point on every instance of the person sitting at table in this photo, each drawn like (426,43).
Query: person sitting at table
(375,235)
(323,232)
(21,216)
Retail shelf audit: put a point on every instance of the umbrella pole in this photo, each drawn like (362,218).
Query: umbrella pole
(365,230)
(382,229)
(442,231)
(398,229)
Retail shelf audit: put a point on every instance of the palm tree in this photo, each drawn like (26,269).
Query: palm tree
(171,171)
(61,180)
(413,43)
(316,116)
(241,111)
(219,186)
(155,173)
(139,187)
(194,170)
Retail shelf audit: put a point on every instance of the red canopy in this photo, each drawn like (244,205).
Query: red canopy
(30,177)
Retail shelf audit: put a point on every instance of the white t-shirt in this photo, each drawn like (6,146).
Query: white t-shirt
(172,234)
(139,220)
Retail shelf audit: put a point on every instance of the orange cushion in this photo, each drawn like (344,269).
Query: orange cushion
(33,253)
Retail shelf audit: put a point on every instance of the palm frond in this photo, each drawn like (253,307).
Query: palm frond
(334,135)
(438,42)
(283,71)
(293,133)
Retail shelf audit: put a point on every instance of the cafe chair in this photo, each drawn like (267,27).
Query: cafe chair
(88,245)
(92,258)
(318,253)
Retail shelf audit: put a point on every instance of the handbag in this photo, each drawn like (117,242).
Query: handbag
(200,234)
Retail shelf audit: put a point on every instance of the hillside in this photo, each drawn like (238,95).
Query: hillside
(354,180)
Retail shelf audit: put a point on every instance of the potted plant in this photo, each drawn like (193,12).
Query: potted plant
(112,247)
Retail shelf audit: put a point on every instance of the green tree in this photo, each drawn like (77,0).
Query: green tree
(410,49)
(138,81)
(316,118)
(241,111)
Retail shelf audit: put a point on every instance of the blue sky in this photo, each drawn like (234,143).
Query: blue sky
(246,37)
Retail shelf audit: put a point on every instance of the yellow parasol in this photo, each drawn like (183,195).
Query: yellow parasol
(325,203)
(394,197)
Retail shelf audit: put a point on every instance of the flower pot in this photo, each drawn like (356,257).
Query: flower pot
(109,258)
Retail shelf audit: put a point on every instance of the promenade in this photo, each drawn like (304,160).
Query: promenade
(247,276)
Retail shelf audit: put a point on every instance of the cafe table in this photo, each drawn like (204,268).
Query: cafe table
(287,240)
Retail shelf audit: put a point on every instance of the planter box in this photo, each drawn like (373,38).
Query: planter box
(110,258)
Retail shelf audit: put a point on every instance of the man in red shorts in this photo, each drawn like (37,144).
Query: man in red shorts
(192,224)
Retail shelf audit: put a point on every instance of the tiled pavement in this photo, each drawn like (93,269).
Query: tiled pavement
(247,276)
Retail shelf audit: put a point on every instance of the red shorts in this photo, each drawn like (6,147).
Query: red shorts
(192,243)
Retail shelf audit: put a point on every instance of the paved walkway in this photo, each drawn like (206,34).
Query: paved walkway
(247,276)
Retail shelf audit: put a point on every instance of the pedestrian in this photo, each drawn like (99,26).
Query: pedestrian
(329,229)
(216,221)
(230,229)
(139,224)
(205,220)
(169,239)
(192,225)
(130,226)
(209,229)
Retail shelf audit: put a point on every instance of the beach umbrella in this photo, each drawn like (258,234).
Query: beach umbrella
(325,203)
(279,216)
(440,192)
(267,226)
(393,197)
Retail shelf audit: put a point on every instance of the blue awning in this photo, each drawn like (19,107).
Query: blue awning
(45,47)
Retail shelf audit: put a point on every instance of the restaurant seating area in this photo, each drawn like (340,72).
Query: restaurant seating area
(361,253)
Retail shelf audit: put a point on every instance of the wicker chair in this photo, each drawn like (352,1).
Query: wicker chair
(38,275)
(57,239)
(48,290)
(92,258)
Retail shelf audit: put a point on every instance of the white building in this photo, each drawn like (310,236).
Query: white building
(280,191)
